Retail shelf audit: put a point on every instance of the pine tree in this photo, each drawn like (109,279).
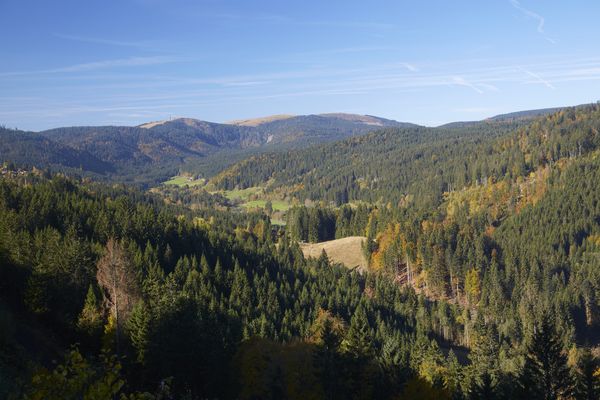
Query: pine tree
(453,375)
(138,326)
(358,341)
(545,375)
(393,360)
(358,350)
(323,261)
(326,333)
(588,377)
(484,351)
(483,389)
(90,319)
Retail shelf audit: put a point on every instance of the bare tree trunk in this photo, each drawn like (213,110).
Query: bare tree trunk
(119,282)
(408,272)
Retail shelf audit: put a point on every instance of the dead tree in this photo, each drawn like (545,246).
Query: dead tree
(119,284)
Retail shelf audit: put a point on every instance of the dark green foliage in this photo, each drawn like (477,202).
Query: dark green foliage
(587,377)
(226,312)
(545,374)
(202,291)
(33,149)
(358,341)
(149,155)
(382,166)
(484,389)
(319,224)
(485,348)
(417,165)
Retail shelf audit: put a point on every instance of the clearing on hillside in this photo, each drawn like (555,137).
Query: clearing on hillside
(278,205)
(182,180)
(347,251)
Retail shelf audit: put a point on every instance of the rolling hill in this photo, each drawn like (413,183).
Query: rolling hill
(420,164)
(470,232)
(153,151)
(283,150)
(33,149)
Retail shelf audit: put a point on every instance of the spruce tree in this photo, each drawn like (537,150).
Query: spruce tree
(90,319)
(358,341)
(484,351)
(545,375)
(588,377)
(453,375)
(483,389)
(138,327)
(358,350)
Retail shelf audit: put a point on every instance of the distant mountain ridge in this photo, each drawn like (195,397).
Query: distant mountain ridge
(33,149)
(166,145)
(260,120)
(401,165)
(513,116)
(152,152)
(527,114)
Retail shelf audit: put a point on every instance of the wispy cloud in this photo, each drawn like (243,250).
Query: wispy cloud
(540,20)
(145,44)
(316,56)
(410,67)
(489,86)
(263,18)
(246,83)
(97,65)
(347,50)
(123,62)
(538,78)
(350,24)
(370,77)
(284,19)
(459,80)
(133,95)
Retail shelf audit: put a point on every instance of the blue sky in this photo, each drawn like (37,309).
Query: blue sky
(430,62)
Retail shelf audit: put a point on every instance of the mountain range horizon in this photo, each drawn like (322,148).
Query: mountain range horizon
(368,118)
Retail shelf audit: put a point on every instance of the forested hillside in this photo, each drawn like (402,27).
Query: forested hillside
(202,297)
(483,282)
(417,165)
(153,152)
(246,200)
(31,149)
(197,299)
(515,239)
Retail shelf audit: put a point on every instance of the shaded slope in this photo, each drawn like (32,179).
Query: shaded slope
(33,149)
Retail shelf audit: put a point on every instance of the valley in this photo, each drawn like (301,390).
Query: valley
(271,200)
(451,240)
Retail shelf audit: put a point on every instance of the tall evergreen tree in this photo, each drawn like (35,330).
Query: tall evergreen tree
(483,389)
(90,319)
(588,377)
(545,375)
(358,341)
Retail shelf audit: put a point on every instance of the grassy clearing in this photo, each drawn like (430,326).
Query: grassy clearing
(278,205)
(347,251)
(242,194)
(185,180)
